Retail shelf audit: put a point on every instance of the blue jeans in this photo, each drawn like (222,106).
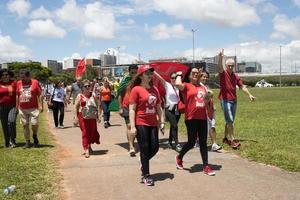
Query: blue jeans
(229,110)
(106,112)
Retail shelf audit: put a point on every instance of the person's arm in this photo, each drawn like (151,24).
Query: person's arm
(220,63)
(161,79)
(246,91)
(70,94)
(40,102)
(76,109)
(132,109)
(99,110)
(161,117)
(120,100)
(178,81)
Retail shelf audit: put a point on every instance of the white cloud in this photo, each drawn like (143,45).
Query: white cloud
(71,13)
(20,7)
(268,54)
(41,12)
(163,31)
(297,3)
(269,8)
(130,22)
(44,28)
(285,27)
(10,50)
(228,13)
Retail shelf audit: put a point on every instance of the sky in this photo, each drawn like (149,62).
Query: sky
(253,30)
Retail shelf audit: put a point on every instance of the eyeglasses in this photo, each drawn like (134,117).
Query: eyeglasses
(173,77)
(149,72)
(87,86)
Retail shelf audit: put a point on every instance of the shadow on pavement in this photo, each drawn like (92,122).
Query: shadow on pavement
(99,152)
(125,146)
(199,168)
(21,144)
(162,176)
(111,125)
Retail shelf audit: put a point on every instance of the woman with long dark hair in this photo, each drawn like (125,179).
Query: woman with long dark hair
(58,99)
(195,118)
(144,106)
(8,111)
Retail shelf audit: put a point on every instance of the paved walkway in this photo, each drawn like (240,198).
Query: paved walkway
(112,174)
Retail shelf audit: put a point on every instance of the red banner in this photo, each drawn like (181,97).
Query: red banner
(80,69)
(166,68)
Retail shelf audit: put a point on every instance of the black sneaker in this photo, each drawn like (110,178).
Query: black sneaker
(27,145)
(108,124)
(35,141)
(148,181)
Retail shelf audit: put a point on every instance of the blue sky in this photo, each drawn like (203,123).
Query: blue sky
(251,29)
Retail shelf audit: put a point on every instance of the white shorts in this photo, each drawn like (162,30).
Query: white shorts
(29,115)
(211,123)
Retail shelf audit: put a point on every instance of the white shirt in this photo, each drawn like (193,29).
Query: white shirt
(172,96)
(59,95)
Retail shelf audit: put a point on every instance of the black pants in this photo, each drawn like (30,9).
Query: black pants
(173,119)
(58,107)
(196,127)
(147,137)
(8,116)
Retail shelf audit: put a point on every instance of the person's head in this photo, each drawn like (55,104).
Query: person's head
(78,80)
(86,87)
(6,75)
(230,64)
(132,70)
(58,84)
(144,75)
(195,75)
(204,76)
(173,78)
(24,74)
(105,81)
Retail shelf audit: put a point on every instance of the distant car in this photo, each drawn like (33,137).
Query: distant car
(263,84)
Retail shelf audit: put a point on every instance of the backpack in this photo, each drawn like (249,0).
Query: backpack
(90,110)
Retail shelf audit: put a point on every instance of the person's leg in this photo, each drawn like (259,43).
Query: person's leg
(168,115)
(12,117)
(25,119)
(202,134)
(61,113)
(154,144)
(55,113)
(105,111)
(4,111)
(35,126)
(143,138)
(108,112)
(84,136)
(191,126)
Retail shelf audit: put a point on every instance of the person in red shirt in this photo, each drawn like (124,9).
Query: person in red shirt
(8,111)
(228,82)
(105,94)
(144,106)
(195,117)
(29,104)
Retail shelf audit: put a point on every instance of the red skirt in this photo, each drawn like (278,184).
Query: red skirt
(89,131)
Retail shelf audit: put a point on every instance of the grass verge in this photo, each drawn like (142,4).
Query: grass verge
(33,171)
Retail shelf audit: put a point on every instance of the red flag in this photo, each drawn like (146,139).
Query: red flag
(166,68)
(80,69)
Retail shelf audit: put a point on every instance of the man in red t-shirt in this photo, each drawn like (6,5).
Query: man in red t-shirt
(228,82)
(30,105)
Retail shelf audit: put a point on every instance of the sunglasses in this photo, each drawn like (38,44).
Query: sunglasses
(87,86)
(173,77)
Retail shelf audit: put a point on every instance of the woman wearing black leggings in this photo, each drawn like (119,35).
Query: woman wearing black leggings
(144,106)
(195,118)
(59,97)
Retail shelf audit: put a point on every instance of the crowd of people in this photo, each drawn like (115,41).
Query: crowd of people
(144,109)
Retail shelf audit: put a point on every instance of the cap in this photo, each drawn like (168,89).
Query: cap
(144,68)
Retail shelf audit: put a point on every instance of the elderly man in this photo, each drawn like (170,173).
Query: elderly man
(228,82)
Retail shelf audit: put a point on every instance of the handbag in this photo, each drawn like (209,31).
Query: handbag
(90,110)
(50,103)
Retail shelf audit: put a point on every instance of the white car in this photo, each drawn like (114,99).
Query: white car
(263,83)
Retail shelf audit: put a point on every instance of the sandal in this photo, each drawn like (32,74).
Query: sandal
(87,155)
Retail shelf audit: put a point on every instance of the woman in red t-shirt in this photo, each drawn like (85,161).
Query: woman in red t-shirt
(8,111)
(195,117)
(144,106)
(105,99)
(88,127)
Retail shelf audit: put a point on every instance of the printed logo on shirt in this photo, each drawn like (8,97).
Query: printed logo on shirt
(151,104)
(199,99)
(59,95)
(25,94)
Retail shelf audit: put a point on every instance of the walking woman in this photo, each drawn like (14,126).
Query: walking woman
(105,94)
(144,106)
(58,99)
(87,113)
(195,118)
(8,111)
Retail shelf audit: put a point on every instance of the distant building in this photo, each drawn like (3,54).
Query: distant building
(107,59)
(55,66)
(93,62)
(212,63)
(249,67)
(70,63)
(177,59)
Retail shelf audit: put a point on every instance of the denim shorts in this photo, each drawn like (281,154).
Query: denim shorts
(229,109)
(125,115)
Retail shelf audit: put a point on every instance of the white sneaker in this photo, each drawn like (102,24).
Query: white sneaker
(215,147)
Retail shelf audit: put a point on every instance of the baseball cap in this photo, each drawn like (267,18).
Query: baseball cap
(144,68)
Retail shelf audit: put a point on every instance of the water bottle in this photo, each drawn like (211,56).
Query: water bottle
(9,189)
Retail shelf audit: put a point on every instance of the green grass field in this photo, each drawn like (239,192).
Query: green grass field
(269,128)
(33,170)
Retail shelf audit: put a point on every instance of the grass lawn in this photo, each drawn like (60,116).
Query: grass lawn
(33,170)
(269,128)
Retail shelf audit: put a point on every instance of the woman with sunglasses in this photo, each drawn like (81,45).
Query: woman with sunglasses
(195,118)
(171,109)
(88,125)
(8,111)
(144,106)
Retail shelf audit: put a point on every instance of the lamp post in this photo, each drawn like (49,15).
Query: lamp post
(193,31)
(118,61)
(280,69)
